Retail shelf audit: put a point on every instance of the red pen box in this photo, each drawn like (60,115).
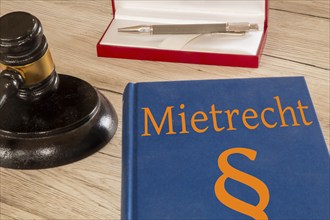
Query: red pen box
(212,49)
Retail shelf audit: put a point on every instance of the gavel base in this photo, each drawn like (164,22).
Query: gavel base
(72,123)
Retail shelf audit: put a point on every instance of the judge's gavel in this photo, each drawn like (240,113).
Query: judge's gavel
(46,119)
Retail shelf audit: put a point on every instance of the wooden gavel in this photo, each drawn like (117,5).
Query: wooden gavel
(46,119)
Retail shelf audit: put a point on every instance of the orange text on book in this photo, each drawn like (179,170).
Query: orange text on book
(220,120)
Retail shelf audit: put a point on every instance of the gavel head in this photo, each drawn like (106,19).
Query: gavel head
(24,50)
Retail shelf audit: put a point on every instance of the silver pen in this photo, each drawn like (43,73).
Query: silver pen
(231,28)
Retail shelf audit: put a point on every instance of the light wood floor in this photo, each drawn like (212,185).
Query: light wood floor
(298,44)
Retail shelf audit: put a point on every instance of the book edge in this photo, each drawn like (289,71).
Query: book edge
(128,152)
(318,125)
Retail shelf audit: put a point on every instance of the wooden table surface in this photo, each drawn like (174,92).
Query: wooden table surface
(297,45)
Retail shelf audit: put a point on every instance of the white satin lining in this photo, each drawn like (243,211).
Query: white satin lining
(134,12)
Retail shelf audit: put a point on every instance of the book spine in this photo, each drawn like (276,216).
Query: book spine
(128,152)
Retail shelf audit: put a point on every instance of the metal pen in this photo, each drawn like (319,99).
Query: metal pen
(231,28)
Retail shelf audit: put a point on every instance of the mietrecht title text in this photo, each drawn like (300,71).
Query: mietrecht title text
(221,120)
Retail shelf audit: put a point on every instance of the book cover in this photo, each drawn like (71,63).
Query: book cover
(223,149)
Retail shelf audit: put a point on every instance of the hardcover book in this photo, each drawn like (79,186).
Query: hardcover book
(223,149)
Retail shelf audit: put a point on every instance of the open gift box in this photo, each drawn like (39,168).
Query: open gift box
(214,49)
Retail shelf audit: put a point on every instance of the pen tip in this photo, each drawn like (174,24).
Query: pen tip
(128,29)
(135,29)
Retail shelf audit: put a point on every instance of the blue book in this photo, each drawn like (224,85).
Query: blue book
(223,149)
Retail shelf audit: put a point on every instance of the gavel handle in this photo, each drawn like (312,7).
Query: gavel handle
(10,83)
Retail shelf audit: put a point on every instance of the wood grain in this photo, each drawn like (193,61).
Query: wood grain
(299,38)
(316,8)
(90,188)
